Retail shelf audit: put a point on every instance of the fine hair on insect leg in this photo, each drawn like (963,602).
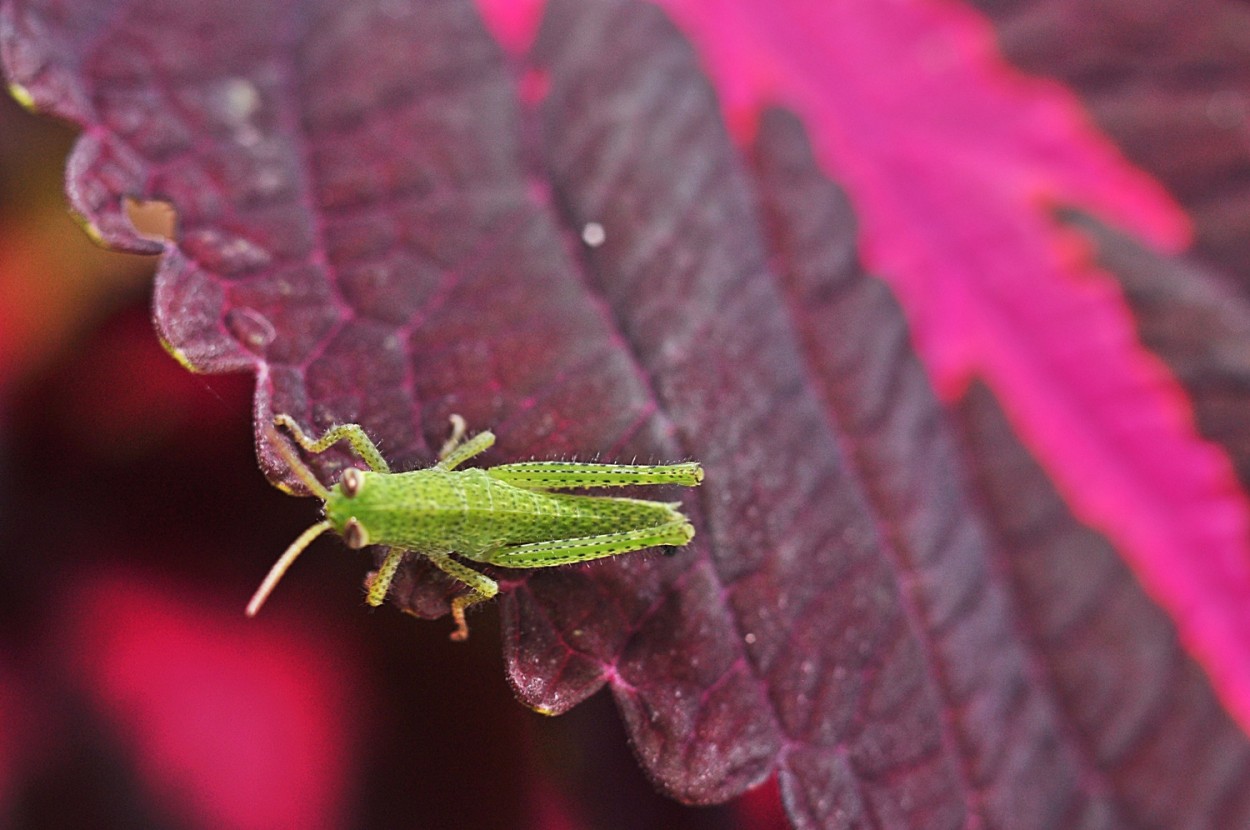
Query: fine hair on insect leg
(297,465)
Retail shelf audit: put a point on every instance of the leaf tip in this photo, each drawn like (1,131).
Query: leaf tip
(23,96)
(92,231)
(180,356)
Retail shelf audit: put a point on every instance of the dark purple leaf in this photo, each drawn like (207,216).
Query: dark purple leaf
(1134,704)
(373,246)
(993,714)
(382,217)
(1167,84)
(953,161)
(1033,733)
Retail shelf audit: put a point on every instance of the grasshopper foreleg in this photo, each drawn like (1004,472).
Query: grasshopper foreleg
(354,434)
(381,583)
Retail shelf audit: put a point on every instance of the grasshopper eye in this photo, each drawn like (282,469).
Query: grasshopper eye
(352,481)
(355,535)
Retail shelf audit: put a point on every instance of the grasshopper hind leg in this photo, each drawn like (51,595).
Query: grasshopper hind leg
(585,548)
(573,475)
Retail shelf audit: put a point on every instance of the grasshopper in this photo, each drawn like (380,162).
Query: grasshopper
(507,516)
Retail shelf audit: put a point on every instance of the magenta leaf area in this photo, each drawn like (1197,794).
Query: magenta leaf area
(954,162)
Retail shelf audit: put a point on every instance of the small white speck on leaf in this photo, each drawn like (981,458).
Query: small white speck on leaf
(239,100)
(593,234)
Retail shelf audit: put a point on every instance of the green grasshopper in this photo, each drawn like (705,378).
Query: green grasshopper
(506,516)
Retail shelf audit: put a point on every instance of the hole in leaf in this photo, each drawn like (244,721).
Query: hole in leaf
(152,217)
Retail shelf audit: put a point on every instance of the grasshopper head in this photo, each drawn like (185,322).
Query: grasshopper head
(346,503)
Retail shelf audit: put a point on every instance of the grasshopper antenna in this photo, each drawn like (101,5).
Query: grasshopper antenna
(280,567)
(283,449)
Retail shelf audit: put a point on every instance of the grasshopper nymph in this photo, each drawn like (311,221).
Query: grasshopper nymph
(506,516)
